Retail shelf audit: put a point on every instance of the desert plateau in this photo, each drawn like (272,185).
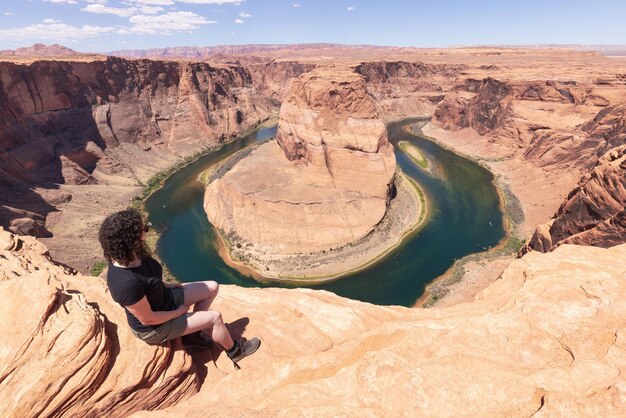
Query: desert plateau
(409,230)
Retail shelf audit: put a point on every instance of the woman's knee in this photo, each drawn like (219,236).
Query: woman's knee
(199,291)
(214,287)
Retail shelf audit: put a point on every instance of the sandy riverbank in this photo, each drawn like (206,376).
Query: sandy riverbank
(406,213)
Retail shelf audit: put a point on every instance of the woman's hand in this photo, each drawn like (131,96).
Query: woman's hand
(182,310)
(142,311)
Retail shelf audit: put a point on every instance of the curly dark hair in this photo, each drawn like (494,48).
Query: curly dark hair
(120,237)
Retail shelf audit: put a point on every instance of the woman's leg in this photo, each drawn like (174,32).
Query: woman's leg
(200,294)
(211,321)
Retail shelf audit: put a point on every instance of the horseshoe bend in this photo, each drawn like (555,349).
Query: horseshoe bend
(534,325)
(296,206)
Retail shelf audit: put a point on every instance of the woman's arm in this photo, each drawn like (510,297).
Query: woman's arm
(144,313)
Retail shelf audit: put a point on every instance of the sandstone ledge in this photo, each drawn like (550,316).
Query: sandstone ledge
(67,349)
(548,337)
(406,213)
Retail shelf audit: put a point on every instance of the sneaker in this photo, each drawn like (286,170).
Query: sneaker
(243,348)
(197,340)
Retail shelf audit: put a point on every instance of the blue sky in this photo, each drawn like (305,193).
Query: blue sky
(106,25)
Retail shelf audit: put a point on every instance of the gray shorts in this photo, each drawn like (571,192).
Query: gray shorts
(173,328)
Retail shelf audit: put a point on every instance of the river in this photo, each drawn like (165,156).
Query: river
(464,218)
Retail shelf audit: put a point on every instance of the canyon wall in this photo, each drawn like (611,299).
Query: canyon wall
(594,212)
(538,119)
(553,133)
(325,182)
(106,126)
(547,337)
(55,109)
(408,89)
(273,79)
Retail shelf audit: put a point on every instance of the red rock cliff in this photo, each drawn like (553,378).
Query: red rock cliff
(60,121)
(594,213)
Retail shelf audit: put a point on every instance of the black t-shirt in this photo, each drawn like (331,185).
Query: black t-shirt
(129,285)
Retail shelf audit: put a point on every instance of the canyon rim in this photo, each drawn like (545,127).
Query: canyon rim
(539,332)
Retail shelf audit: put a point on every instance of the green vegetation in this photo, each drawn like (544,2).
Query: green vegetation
(156,181)
(98,268)
(414,153)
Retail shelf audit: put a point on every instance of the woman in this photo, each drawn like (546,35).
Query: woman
(158,311)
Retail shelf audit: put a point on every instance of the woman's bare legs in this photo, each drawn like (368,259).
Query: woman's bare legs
(201,295)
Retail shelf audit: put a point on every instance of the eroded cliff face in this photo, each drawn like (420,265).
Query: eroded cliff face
(54,109)
(547,337)
(325,182)
(408,89)
(111,123)
(526,116)
(538,119)
(273,79)
(66,347)
(594,212)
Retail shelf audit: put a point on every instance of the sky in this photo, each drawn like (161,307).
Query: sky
(109,25)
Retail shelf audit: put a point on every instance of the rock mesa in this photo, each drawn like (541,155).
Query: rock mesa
(325,182)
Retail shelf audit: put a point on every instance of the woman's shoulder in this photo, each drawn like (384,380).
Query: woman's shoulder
(116,273)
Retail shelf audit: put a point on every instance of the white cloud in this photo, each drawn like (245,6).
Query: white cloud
(238,21)
(118,11)
(56,31)
(51,21)
(236,2)
(350,8)
(76,1)
(297,4)
(151,10)
(122,11)
(62,1)
(245,14)
(8,14)
(166,23)
(155,2)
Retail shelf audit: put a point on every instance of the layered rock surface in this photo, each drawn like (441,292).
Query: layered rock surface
(548,337)
(66,347)
(408,89)
(325,182)
(106,126)
(540,120)
(594,213)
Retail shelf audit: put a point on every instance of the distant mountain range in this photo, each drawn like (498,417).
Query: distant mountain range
(203,52)
(41,50)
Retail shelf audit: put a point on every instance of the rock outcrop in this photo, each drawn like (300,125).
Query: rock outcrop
(594,213)
(110,122)
(539,120)
(79,109)
(66,347)
(325,182)
(408,89)
(547,337)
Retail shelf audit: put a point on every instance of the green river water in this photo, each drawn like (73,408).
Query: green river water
(464,218)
